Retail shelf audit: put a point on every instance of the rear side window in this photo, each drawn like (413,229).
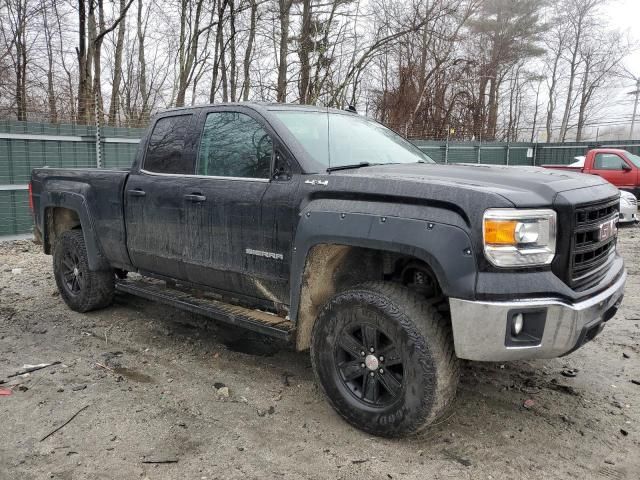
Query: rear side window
(608,161)
(234,145)
(165,152)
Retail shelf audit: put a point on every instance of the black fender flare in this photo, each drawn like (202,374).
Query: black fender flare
(446,248)
(76,201)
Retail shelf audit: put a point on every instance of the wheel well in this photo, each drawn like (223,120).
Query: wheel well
(331,268)
(58,220)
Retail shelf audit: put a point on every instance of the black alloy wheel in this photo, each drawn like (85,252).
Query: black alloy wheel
(369,364)
(72,273)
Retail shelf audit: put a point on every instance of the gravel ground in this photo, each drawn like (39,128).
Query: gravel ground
(152,380)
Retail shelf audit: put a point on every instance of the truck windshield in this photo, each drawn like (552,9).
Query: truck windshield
(342,139)
(634,158)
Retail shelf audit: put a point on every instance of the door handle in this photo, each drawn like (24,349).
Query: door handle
(196,198)
(137,193)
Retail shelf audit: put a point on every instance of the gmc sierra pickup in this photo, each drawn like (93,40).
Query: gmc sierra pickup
(325,228)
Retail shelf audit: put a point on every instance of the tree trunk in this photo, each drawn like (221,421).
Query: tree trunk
(117,69)
(84,65)
(304,51)
(218,50)
(492,116)
(182,74)
(21,60)
(232,51)
(249,50)
(567,105)
(281,89)
(48,35)
(535,115)
(223,70)
(551,106)
(97,58)
(142,68)
(583,102)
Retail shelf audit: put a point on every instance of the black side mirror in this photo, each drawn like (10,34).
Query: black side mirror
(626,167)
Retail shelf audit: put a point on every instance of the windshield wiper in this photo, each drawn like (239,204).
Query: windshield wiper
(347,167)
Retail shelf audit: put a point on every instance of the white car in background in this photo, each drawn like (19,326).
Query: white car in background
(628,207)
(579,161)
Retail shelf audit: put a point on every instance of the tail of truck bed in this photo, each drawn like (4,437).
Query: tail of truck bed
(88,198)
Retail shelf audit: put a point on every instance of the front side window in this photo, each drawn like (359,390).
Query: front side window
(165,152)
(635,159)
(234,145)
(608,161)
(336,139)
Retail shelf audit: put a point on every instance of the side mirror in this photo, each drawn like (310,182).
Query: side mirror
(626,167)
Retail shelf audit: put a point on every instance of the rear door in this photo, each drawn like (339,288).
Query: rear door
(154,203)
(615,169)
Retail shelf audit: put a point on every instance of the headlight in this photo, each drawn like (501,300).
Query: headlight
(514,237)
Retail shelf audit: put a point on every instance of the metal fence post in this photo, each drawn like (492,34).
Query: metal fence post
(479,146)
(507,153)
(446,146)
(98,139)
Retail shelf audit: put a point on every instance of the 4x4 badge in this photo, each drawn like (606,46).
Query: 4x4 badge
(317,182)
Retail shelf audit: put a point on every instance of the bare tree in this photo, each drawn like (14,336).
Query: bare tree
(579,18)
(601,58)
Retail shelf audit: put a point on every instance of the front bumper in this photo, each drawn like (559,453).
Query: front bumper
(482,330)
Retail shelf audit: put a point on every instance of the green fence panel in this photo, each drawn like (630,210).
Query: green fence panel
(15,216)
(118,155)
(493,155)
(520,154)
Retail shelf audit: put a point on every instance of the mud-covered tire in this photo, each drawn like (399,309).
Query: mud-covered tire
(418,343)
(82,289)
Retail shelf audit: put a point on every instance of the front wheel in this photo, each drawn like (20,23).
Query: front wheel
(81,289)
(385,359)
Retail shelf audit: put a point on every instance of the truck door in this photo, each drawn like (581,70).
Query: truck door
(615,169)
(154,200)
(231,244)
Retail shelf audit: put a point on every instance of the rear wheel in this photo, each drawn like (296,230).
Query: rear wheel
(384,358)
(81,289)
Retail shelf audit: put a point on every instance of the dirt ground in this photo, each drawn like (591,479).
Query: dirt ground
(151,384)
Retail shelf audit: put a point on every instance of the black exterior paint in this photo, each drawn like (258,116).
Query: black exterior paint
(433,212)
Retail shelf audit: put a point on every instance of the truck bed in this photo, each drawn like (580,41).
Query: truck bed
(96,192)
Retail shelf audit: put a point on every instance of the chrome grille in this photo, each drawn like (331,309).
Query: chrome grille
(590,256)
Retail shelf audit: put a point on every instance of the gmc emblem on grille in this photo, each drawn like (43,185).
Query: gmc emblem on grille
(607,230)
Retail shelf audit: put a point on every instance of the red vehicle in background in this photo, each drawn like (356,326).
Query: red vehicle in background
(617,166)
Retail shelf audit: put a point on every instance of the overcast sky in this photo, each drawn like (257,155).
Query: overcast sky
(625,14)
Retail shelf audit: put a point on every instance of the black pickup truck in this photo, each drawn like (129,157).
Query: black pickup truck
(327,229)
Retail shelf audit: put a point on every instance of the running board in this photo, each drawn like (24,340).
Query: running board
(191,301)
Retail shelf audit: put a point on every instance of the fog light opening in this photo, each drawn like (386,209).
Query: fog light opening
(518,324)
